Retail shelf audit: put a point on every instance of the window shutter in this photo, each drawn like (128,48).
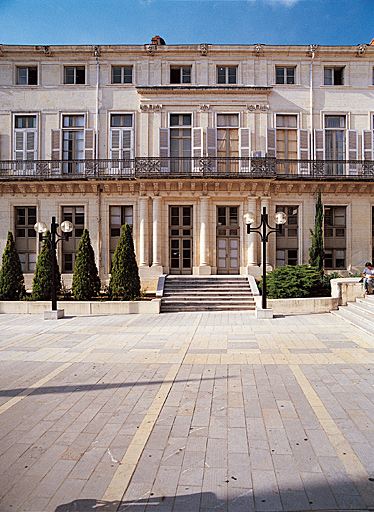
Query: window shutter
(319,144)
(114,144)
(211,147)
(164,149)
(89,144)
(31,145)
(244,149)
(56,150)
(352,151)
(368,144)
(197,148)
(304,151)
(127,146)
(19,145)
(272,143)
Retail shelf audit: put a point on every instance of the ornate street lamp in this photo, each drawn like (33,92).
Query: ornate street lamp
(66,228)
(280,218)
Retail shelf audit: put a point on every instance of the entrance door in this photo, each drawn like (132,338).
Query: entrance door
(227,240)
(180,236)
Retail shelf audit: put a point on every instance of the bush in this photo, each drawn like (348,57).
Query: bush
(293,281)
(86,281)
(12,284)
(42,282)
(124,281)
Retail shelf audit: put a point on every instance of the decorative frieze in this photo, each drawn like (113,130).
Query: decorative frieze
(258,107)
(150,107)
(204,108)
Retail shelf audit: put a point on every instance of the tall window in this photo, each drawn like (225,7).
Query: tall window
(180,142)
(74,75)
(27,75)
(228,135)
(334,76)
(121,142)
(226,74)
(335,143)
(122,75)
(335,236)
(287,240)
(180,74)
(25,239)
(25,138)
(285,75)
(75,214)
(118,216)
(73,142)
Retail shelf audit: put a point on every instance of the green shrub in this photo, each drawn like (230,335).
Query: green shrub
(316,250)
(86,281)
(42,282)
(292,281)
(124,282)
(12,284)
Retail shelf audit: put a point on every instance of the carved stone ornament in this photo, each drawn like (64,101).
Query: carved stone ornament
(204,108)
(258,48)
(361,49)
(258,107)
(45,49)
(312,48)
(150,48)
(204,49)
(150,108)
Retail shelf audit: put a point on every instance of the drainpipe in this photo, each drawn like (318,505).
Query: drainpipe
(96,53)
(312,48)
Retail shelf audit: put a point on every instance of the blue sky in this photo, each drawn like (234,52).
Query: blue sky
(49,22)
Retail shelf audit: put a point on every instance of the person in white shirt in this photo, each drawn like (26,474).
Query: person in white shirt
(368,275)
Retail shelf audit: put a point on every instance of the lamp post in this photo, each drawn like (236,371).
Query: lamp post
(280,218)
(66,228)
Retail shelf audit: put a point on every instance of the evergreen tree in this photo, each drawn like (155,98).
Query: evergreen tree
(86,281)
(124,282)
(42,282)
(12,284)
(316,251)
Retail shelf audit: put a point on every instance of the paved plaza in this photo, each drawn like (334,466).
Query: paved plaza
(195,412)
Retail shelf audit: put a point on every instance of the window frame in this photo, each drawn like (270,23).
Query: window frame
(285,67)
(226,67)
(344,74)
(180,67)
(27,227)
(74,66)
(26,129)
(122,67)
(73,238)
(26,66)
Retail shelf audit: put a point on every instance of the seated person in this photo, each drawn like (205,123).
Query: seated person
(368,275)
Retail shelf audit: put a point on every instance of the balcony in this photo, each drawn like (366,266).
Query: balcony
(169,168)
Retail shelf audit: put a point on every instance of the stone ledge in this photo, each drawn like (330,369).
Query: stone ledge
(77,308)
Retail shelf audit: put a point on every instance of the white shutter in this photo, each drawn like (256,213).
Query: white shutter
(319,144)
(211,147)
(127,144)
(19,145)
(89,144)
(197,148)
(31,145)
(352,151)
(304,151)
(164,149)
(56,150)
(272,143)
(115,145)
(368,144)
(244,149)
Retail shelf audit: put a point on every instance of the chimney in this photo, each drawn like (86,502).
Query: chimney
(157,41)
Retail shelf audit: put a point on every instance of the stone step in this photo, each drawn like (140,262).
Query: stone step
(207,307)
(356,318)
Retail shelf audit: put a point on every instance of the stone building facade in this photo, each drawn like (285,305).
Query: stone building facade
(182,140)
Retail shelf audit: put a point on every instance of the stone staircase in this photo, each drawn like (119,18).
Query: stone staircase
(359,313)
(206,293)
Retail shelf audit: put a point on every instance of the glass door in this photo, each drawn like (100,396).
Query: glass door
(227,240)
(180,239)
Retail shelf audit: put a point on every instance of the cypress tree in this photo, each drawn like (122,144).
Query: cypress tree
(42,282)
(86,281)
(12,284)
(316,251)
(124,282)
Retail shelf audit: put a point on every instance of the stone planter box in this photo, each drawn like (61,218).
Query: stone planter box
(303,305)
(76,308)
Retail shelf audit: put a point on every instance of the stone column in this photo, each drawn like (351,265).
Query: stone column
(143,231)
(204,268)
(157,203)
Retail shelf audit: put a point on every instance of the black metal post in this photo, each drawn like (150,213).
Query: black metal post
(53,250)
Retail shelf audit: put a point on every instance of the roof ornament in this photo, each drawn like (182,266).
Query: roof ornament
(361,48)
(258,48)
(203,49)
(45,48)
(150,48)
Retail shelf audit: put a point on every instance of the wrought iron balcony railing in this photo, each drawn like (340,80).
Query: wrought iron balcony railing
(149,167)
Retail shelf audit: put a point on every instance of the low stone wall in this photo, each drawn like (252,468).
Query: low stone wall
(77,308)
(304,305)
(347,289)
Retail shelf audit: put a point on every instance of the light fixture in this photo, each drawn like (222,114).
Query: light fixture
(40,227)
(280,218)
(67,226)
(248,218)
